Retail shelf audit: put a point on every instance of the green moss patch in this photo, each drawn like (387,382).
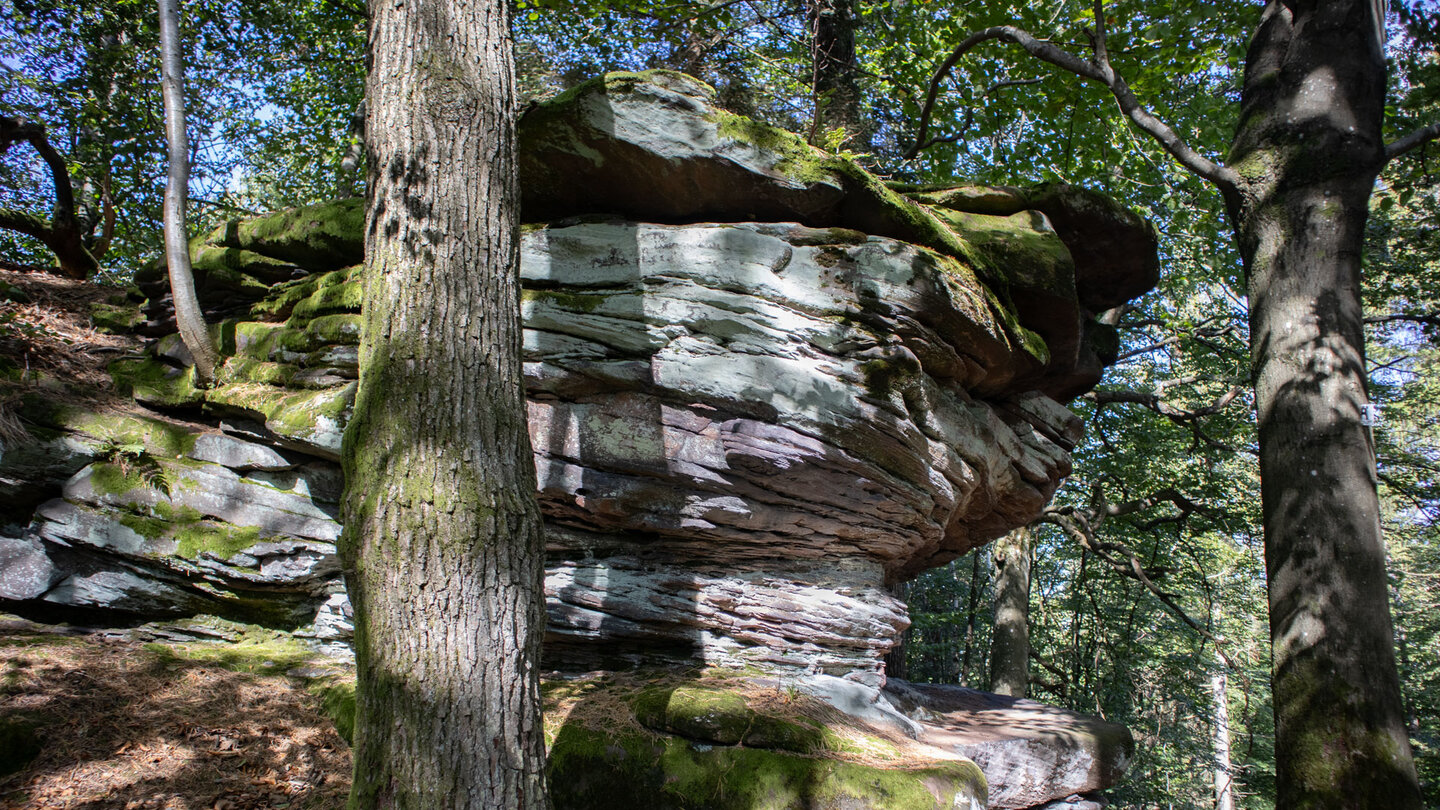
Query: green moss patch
(323,236)
(116,319)
(249,648)
(599,771)
(294,414)
(155,436)
(721,739)
(338,329)
(712,715)
(335,291)
(156,382)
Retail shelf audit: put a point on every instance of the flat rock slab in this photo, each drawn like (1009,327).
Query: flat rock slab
(1030,753)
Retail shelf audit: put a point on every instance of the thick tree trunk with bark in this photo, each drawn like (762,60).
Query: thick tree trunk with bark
(442,546)
(188,319)
(835,83)
(1010,648)
(1307,153)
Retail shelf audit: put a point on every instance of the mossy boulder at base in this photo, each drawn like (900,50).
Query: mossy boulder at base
(721,740)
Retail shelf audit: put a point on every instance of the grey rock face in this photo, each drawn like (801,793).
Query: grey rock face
(1031,753)
(25,570)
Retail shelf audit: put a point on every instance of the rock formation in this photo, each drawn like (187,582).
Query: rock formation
(763,385)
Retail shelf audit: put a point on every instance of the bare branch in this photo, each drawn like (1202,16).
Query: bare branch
(1131,567)
(12,130)
(1155,402)
(107,219)
(1428,319)
(1011,83)
(1419,137)
(1098,70)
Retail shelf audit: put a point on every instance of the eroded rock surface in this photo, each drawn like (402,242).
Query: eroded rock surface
(1031,753)
(762,387)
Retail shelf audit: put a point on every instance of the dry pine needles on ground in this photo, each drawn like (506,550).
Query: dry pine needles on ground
(124,726)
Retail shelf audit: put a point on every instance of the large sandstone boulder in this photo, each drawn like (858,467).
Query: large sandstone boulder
(763,386)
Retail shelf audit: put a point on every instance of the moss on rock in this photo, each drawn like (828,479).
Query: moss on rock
(303,300)
(156,436)
(719,740)
(710,715)
(325,236)
(116,319)
(597,770)
(156,383)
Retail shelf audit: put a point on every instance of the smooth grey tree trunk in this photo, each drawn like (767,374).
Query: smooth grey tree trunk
(1010,647)
(1307,153)
(1220,738)
(188,318)
(442,547)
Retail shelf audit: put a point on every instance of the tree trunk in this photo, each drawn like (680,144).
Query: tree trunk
(442,547)
(1220,739)
(188,318)
(835,83)
(1010,648)
(1308,150)
(972,605)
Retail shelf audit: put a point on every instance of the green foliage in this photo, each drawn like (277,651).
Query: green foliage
(1402,304)
(270,91)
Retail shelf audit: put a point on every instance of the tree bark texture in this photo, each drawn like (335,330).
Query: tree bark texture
(835,84)
(442,547)
(1307,152)
(188,318)
(1220,739)
(1010,647)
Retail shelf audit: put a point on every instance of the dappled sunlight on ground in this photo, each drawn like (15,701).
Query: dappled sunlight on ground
(128,726)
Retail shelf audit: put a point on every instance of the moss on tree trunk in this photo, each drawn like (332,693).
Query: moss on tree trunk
(442,547)
(1308,150)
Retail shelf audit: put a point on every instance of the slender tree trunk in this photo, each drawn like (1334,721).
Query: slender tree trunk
(972,605)
(188,318)
(350,163)
(1220,739)
(1010,647)
(836,80)
(442,547)
(1308,151)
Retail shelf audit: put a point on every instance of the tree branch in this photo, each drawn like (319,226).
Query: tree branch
(1428,319)
(12,130)
(1098,70)
(1154,402)
(1132,568)
(26,223)
(1419,137)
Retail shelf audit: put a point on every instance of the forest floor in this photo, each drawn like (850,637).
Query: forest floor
(124,725)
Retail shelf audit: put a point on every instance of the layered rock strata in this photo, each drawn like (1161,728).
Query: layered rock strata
(792,387)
